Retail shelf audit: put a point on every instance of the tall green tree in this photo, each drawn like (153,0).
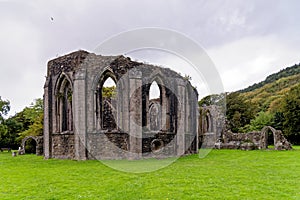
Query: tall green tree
(239,111)
(13,128)
(4,109)
(261,120)
(32,119)
(214,99)
(291,112)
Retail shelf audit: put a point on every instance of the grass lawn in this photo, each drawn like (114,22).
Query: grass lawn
(222,174)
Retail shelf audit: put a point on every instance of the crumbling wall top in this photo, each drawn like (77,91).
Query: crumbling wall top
(66,63)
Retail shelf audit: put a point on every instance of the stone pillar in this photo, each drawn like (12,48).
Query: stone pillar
(164,108)
(135,114)
(124,107)
(195,118)
(47,121)
(79,110)
(180,117)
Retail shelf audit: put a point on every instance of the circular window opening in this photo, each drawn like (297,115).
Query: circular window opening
(157,145)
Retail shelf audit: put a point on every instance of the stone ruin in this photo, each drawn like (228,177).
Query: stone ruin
(80,122)
(38,148)
(212,134)
(255,140)
(211,125)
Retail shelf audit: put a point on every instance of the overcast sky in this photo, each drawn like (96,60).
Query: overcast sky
(246,40)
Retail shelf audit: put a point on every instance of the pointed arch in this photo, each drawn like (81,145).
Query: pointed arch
(105,103)
(63,104)
(155,110)
(266,136)
(154,91)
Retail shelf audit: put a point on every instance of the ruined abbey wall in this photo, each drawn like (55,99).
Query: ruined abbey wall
(80,123)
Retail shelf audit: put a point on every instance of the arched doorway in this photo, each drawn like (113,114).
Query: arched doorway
(32,145)
(269,137)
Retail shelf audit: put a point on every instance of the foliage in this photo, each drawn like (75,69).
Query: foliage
(223,174)
(33,118)
(13,127)
(27,122)
(289,71)
(109,92)
(291,112)
(278,120)
(187,77)
(261,120)
(239,111)
(4,141)
(4,108)
(214,99)
(270,96)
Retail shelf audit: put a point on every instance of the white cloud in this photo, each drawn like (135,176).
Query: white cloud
(249,60)
(176,63)
(21,71)
(244,52)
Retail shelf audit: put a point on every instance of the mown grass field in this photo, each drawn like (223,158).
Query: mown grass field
(222,174)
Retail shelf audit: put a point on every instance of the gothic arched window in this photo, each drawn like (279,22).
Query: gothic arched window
(64,113)
(106,103)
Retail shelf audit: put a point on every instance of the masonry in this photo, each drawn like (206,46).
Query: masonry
(213,133)
(81,123)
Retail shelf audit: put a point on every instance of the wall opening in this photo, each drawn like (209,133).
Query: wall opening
(155,100)
(270,139)
(154,91)
(108,104)
(64,112)
(30,146)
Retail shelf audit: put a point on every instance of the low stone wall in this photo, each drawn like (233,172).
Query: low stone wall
(39,145)
(253,140)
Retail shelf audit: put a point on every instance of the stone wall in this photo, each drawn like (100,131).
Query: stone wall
(107,145)
(254,140)
(81,124)
(39,144)
(63,146)
(161,144)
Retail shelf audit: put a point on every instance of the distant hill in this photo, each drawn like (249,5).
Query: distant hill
(289,71)
(268,94)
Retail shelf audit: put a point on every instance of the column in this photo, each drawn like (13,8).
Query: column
(79,110)
(181,117)
(135,113)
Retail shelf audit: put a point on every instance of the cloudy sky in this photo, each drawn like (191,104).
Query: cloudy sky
(246,40)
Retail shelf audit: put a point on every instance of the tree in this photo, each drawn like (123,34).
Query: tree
(109,92)
(239,111)
(278,120)
(32,119)
(291,112)
(213,99)
(13,128)
(4,109)
(27,122)
(261,120)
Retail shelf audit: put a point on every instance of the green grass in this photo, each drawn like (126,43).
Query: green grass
(223,174)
